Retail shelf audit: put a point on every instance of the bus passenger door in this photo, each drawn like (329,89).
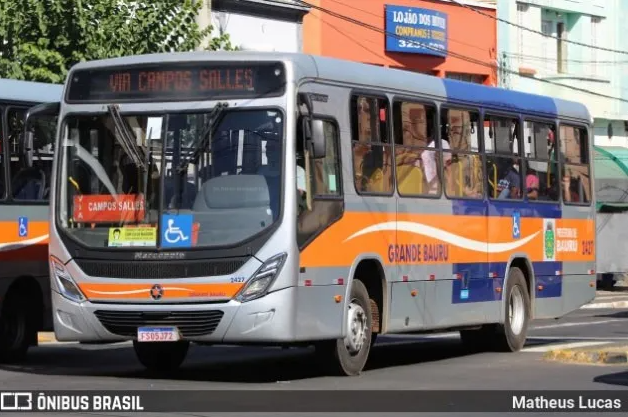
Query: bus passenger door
(465,299)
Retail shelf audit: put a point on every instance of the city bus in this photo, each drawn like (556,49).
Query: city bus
(25,182)
(295,200)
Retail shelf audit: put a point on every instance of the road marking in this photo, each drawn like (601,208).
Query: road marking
(612,304)
(583,323)
(574,345)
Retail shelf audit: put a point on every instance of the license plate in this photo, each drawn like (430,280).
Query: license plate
(157,334)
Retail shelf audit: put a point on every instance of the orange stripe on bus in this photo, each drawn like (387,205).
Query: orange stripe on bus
(168,290)
(31,247)
(441,239)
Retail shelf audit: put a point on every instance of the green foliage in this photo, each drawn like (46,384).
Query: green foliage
(41,39)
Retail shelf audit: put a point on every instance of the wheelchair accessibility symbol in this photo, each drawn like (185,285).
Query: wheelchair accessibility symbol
(22,226)
(516,225)
(176,231)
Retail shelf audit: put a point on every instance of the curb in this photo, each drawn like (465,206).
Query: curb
(601,356)
(46,337)
(614,304)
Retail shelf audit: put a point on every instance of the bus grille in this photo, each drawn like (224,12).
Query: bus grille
(159,270)
(189,323)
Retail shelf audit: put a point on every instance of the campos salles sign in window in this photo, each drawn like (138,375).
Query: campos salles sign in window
(415,30)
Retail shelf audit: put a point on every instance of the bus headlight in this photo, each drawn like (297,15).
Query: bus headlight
(65,283)
(259,283)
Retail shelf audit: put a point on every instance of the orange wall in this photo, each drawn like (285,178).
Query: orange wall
(469,34)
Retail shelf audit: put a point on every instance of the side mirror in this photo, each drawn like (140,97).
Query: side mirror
(318,139)
(27,151)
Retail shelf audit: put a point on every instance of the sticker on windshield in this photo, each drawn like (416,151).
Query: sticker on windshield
(132,236)
(153,128)
(331,179)
(176,230)
(105,208)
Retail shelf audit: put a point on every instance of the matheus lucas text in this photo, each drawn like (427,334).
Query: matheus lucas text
(541,403)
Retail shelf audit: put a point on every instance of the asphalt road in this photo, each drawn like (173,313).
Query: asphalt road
(435,362)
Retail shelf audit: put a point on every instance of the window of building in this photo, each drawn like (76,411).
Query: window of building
(561,48)
(546,45)
(576,177)
(462,162)
(522,9)
(417,167)
(541,182)
(503,162)
(595,26)
(372,148)
(471,78)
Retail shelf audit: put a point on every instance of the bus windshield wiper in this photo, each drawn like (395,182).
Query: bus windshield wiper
(127,138)
(206,136)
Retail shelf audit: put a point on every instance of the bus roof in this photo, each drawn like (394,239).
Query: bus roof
(29,91)
(364,75)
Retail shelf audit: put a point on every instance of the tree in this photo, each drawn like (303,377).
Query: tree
(41,39)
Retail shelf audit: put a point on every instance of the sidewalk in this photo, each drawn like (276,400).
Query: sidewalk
(609,354)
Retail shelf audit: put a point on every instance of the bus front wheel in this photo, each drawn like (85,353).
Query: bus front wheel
(348,356)
(161,357)
(15,329)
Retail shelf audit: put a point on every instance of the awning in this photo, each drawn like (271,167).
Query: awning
(611,178)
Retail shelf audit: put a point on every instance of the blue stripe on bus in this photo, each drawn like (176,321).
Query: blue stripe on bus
(481,288)
(506,100)
(506,208)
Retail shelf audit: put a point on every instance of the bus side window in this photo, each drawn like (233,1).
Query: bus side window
(462,162)
(575,173)
(372,148)
(541,182)
(417,167)
(325,180)
(2,154)
(503,162)
(325,172)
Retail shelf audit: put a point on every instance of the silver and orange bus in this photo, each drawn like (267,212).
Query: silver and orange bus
(25,183)
(287,199)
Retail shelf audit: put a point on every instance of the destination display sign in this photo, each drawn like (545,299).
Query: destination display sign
(178,82)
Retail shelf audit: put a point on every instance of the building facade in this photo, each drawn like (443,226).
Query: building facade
(544,43)
(264,25)
(436,37)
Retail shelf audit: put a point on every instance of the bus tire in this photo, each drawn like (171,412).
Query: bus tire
(511,335)
(161,357)
(348,356)
(15,329)
(476,340)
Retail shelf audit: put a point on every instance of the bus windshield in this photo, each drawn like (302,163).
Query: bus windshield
(142,180)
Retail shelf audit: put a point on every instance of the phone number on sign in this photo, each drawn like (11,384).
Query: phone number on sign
(421,45)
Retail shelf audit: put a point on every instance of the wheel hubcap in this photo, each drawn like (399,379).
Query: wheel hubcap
(516,314)
(356,328)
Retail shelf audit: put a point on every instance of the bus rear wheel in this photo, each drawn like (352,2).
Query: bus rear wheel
(348,356)
(15,329)
(161,357)
(511,335)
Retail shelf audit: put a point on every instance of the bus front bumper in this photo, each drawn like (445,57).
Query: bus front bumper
(269,319)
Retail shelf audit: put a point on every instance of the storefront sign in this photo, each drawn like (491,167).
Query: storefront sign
(417,31)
